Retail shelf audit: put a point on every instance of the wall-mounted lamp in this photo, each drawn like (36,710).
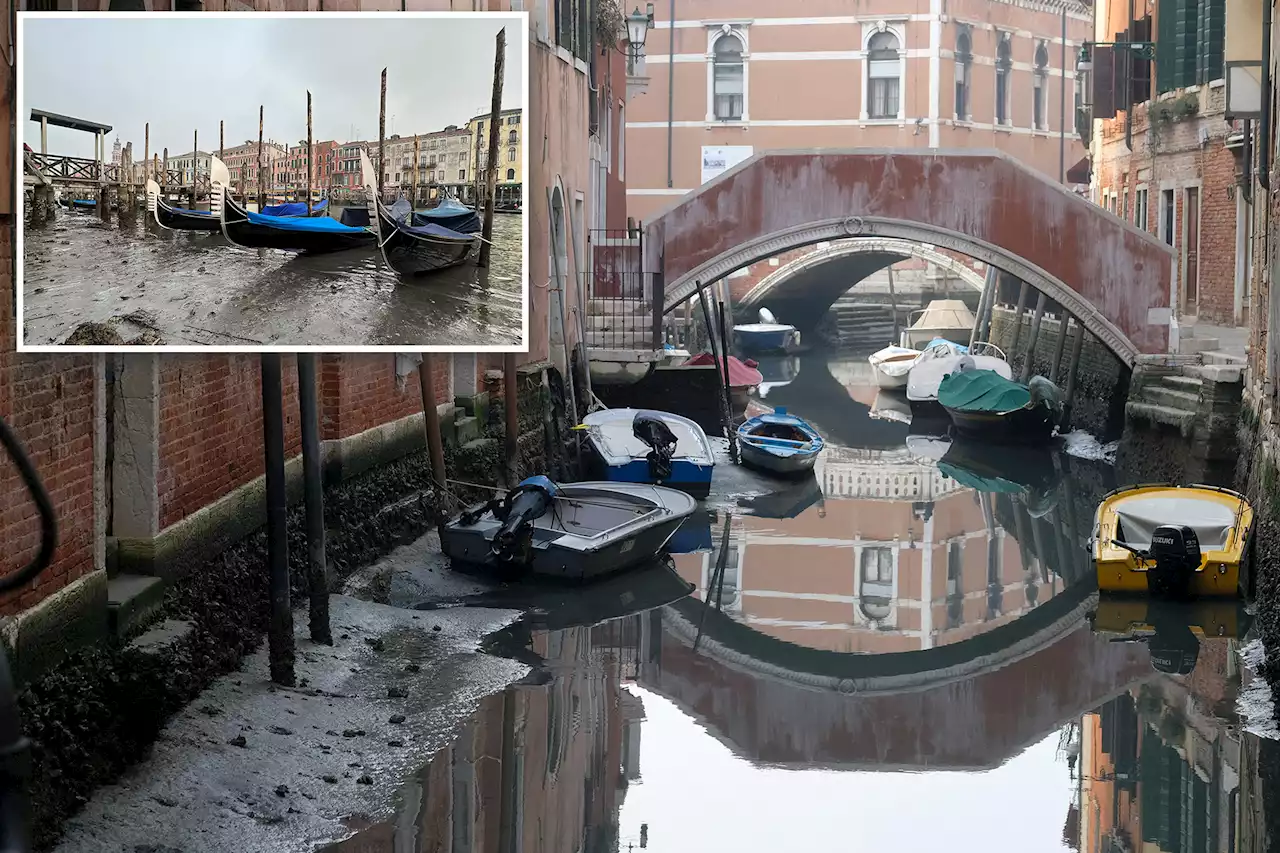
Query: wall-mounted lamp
(638,26)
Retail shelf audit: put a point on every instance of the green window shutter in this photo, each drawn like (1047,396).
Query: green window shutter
(1166,46)
(1187,13)
(1211,37)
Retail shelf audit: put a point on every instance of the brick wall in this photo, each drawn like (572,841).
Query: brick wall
(211,428)
(1175,158)
(49,403)
(211,416)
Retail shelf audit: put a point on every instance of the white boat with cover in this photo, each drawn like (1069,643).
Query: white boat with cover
(893,363)
(927,373)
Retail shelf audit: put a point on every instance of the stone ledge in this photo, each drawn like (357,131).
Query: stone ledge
(131,601)
(41,636)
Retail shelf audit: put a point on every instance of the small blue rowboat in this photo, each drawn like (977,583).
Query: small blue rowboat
(779,443)
(646,446)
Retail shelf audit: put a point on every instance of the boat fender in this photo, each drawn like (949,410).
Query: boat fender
(662,441)
(522,506)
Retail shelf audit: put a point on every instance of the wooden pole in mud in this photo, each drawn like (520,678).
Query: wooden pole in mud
(491,168)
(146,153)
(195,165)
(893,304)
(280,628)
(262,193)
(511,403)
(1036,321)
(1072,368)
(431,423)
(222,142)
(726,417)
(1056,368)
(313,493)
(417,151)
(164,177)
(309,152)
(1017,317)
(382,132)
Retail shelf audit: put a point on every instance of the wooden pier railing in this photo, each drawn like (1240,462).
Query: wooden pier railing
(61,169)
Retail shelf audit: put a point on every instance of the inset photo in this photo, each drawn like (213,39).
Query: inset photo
(259,181)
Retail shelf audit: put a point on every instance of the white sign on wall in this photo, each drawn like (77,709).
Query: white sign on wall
(721,158)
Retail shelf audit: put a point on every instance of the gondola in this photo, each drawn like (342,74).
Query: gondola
(297,208)
(408,249)
(317,235)
(177,218)
(452,214)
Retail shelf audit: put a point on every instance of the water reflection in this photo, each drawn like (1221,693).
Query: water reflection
(196,288)
(921,606)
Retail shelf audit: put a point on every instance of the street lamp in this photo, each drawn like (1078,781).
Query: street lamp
(1140,49)
(638,26)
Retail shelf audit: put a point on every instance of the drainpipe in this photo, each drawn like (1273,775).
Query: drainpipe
(1062,98)
(1264,120)
(671,89)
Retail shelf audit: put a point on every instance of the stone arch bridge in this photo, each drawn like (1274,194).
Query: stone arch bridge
(1115,279)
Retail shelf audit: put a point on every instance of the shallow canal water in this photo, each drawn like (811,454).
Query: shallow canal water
(197,289)
(905,653)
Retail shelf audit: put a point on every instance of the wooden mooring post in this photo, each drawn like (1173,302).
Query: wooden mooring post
(382,131)
(1055,369)
(413,193)
(1036,320)
(309,152)
(221,144)
(1073,367)
(313,494)
(262,192)
(1017,316)
(281,650)
(146,153)
(195,165)
(985,303)
(164,176)
(491,168)
(431,424)
(510,388)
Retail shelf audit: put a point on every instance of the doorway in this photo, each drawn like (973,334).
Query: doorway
(1191,250)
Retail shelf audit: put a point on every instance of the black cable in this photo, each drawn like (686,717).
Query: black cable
(48,524)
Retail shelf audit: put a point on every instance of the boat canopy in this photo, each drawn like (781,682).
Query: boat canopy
(322,224)
(1140,516)
(945,314)
(298,208)
(982,391)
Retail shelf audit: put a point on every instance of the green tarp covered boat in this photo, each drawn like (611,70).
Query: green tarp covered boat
(984,404)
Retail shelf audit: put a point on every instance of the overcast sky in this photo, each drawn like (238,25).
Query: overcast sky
(188,73)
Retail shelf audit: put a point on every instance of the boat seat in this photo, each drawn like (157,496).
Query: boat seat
(1138,518)
(546,534)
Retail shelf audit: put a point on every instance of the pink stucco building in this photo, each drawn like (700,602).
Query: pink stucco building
(750,76)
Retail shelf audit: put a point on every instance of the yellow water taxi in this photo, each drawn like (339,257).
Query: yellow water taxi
(1172,541)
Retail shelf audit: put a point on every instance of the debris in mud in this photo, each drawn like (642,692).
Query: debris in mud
(94,334)
(282,790)
(238,740)
(397,693)
(280,730)
(353,732)
(366,779)
(411,667)
(332,780)
(396,719)
(375,643)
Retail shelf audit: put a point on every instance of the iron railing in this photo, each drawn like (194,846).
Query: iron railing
(625,307)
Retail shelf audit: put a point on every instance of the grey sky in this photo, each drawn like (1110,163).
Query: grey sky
(187,73)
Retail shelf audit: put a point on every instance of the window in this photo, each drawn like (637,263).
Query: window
(511,138)
(1189,41)
(884,76)
(964,67)
(511,174)
(511,155)
(462,174)
(876,593)
(1166,216)
(440,176)
(728,78)
(1004,69)
(1040,94)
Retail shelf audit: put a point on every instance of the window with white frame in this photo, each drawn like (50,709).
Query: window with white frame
(1004,73)
(875,597)
(728,78)
(1140,208)
(964,71)
(1040,93)
(884,75)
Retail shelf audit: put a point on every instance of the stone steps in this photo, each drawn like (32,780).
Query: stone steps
(1184,383)
(1191,345)
(1163,395)
(1217,357)
(1217,372)
(1155,413)
(131,601)
(619,306)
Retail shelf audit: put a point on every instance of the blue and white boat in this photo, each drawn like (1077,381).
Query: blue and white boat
(779,443)
(450,213)
(766,336)
(647,446)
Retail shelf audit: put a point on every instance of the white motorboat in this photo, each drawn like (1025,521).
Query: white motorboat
(572,531)
(646,446)
(949,319)
(927,373)
(893,363)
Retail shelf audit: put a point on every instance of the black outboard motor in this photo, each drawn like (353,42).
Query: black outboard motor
(1174,648)
(655,433)
(1176,552)
(527,502)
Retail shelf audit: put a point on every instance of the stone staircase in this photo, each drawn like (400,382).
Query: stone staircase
(1197,392)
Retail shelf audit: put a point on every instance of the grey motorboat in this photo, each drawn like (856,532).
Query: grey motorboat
(572,531)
